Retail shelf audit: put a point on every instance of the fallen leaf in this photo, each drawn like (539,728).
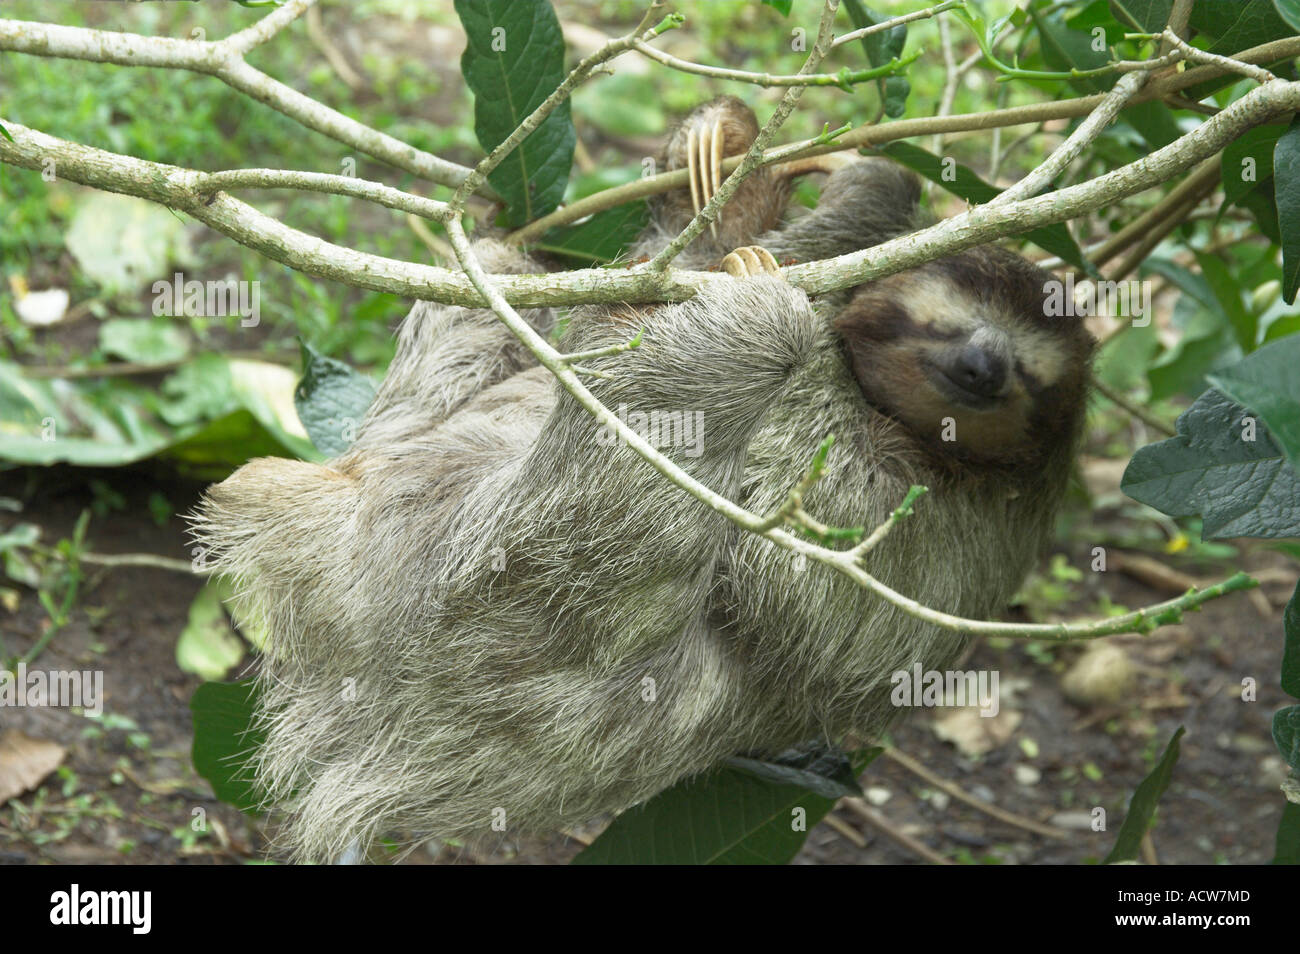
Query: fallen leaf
(25,761)
(972,733)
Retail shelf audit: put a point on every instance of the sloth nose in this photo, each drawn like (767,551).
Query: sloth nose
(979,371)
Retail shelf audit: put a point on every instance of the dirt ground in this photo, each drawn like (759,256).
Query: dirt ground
(126,791)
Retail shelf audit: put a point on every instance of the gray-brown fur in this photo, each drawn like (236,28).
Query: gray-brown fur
(500,582)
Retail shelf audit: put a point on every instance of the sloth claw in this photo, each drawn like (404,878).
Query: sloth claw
(750,260)
(704,166)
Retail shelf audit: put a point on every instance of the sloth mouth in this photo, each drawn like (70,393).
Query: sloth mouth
(957,393)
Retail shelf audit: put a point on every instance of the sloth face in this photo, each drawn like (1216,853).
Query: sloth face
(963,352)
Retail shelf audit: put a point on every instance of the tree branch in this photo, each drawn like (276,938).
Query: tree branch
(876,135)
(224,60)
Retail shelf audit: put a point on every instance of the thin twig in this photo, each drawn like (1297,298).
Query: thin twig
(844,829)
(882,825)
(1088,130)
(845,79)
(351,186)
(877,135)
(896,21)
(959,793)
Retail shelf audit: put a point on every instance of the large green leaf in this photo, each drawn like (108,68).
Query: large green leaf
(1240,487)
(121,242)
(147,341)
(1289,10)
(1286,187)
(513,60)
(213,413)
(225,736)
(1248,176)
(1149,16)
(1291,646)
(719,818)
(1227,291)
(1238,25)
(1286,733)
(1286,850)
(208,646)
(600,238)
(1142,806)
(1267,382)
(962,181)
(880,48)
(1248,160)
(331,400)
(723,817)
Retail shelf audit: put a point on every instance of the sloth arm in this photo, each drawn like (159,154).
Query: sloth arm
(620,557)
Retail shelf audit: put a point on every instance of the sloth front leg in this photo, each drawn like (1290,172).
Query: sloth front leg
(749,261)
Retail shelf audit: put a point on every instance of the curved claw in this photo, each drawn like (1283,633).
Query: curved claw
(750,260)
(704,167)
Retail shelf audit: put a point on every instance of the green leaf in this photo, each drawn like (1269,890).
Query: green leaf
(1241,488)
(720,817)
(1247,161)
(1289,11)
(1267,383)
(962,182)
(1142,806)
(121,242)
(5,133)
(1286,850)
(513,60)
(143,340)
(16,562)
(1203,342)
(1286,187)
(1291,646)
(208,646)
(1226,289)
(600,238)
(225,736)
(1067,49)
(1286,734)
(239,409)
(1146,16)
(1237,24)
(880,49)
(780,6)
(332,400)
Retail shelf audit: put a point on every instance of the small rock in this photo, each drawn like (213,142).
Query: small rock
(1028,775)
(877,795)
(1104,675)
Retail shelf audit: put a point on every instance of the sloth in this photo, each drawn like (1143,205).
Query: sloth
(487,615)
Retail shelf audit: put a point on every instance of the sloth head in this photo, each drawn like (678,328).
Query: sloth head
(963,352)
